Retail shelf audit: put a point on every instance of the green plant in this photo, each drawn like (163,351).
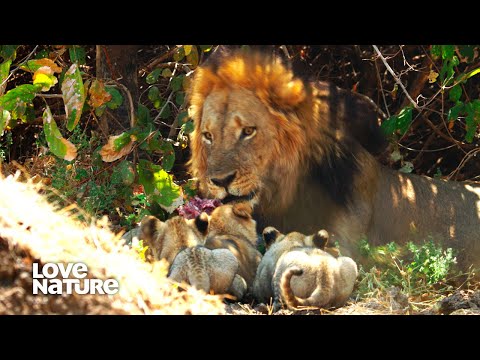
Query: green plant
(415,269)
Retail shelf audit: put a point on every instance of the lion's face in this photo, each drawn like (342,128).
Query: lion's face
(236,132)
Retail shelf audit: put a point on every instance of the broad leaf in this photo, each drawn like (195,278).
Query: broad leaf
(188,127)
(168,155)
(44,77)
(166,73)
(159,185)
(436,51)
(455,111)
(124,173)
(180,98)
(176,83)
(4,71)
(206,48)
(8,52)
(117,98)
(193,58)
(467,51)
(73,94)
(117,147)
(57,144)
(143,116)
(34,65)
(152,78)
(98,94)
(455,93)
(187,49)
(18,101)
(472,120)
(448,51)
(153,94)
(77,55)
(4,119)
(179,54)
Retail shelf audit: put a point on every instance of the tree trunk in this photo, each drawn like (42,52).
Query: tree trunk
(118,62)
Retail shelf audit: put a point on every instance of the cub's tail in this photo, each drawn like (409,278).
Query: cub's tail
(286,290)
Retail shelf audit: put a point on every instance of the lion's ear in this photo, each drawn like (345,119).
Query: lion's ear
(320,239)
(201,222)
(270,234)
(243,210)
(149,226)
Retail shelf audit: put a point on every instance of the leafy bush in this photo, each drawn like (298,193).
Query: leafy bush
(413,268)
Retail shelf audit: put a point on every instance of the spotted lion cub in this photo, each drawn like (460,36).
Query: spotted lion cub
(208,270)
(232,227)
(298,271)
(165,239)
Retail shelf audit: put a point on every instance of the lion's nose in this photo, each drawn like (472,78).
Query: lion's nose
(225,181)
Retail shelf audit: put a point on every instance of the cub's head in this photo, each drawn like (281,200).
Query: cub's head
(246,132)
(318,240)
(234,220)
(164,238)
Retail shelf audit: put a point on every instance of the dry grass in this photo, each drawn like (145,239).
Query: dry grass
(31,228)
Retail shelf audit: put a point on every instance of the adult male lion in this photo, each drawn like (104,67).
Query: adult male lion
(300,152)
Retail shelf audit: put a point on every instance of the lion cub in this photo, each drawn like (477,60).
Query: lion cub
(297,271)
(165,239)
(208,270)
(232,227)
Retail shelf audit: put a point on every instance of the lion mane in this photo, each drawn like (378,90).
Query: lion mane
(303,153)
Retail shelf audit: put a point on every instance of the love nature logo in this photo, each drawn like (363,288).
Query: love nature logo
(72,280)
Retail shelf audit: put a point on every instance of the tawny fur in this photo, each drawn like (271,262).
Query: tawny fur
(208,270)
(299,128)
(277,245)
(312,277)
(166,239)
(232,227)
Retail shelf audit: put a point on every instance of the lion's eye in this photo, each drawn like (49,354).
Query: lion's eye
(208,136)
(248,131)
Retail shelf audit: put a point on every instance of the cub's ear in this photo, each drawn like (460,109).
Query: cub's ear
(243,210)
(201,222)
(149,226)
(270,234)
(320,239)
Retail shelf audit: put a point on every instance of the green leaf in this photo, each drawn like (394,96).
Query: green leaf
(436,51)
(455,61)
(4,71)
(168,155)
(193,58)
(472,73)
(153,93)
(4,119)
(389,126)
(176,82)
(187,49)
(124,173)
(166,112)
(448,51)
(166,73)
(152,78)
(158,184)
(455,93)
(143,116)
(117,98)
(188,127)
(18,101)
(8,52)
(179,54)
(471,122)
(407,167)
(34,65)
(404,119)
(455,111)
(74,96)
(154,143)
(77,55)
(180,98)
(122,140)
(467,51)
(57,144)
(182,117)
(206,48)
